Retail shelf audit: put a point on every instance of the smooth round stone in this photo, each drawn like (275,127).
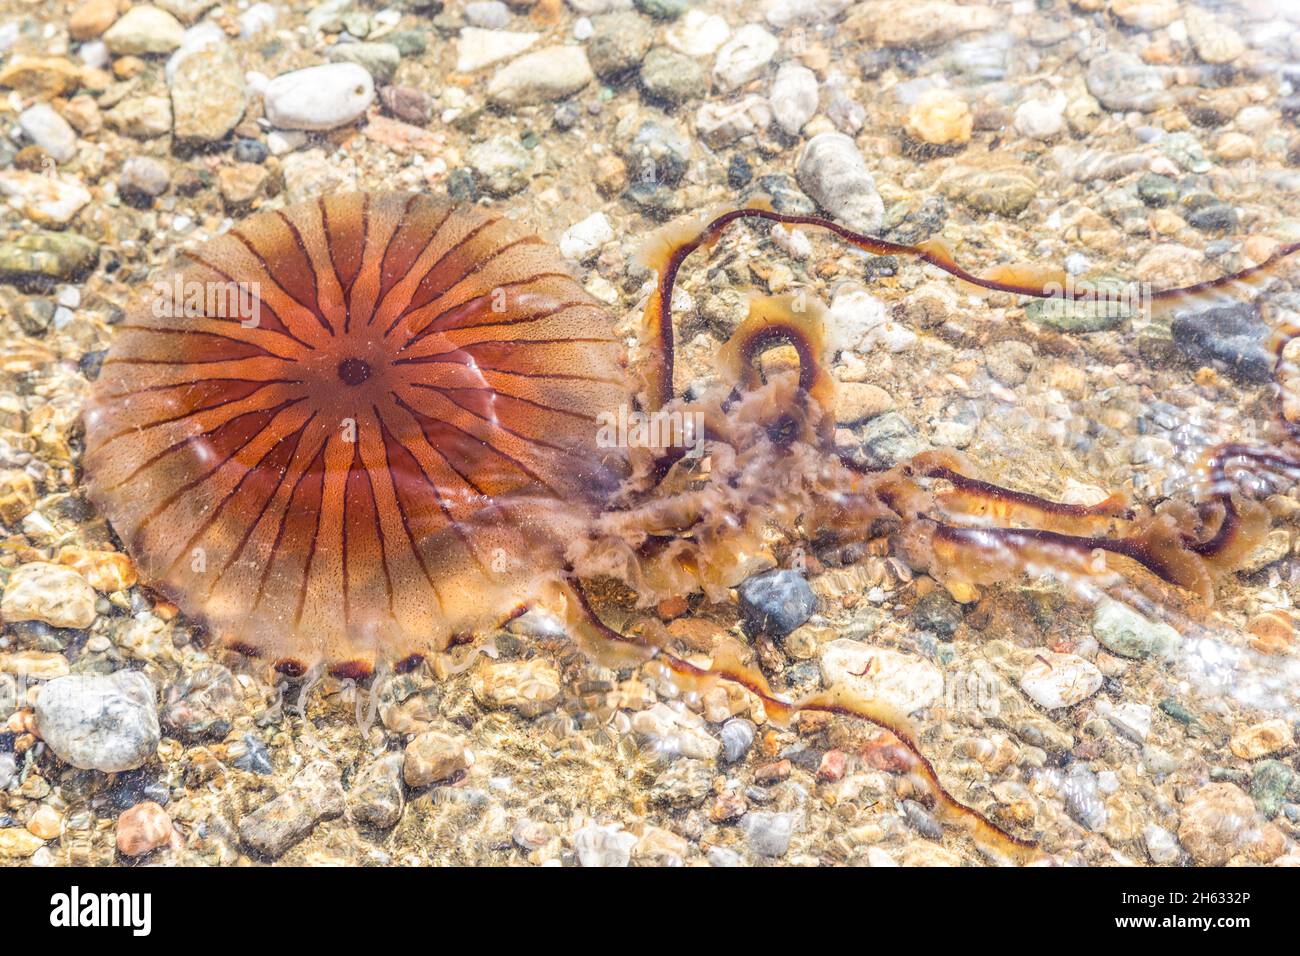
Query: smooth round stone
(833,172)
(1041,117)
(319,97)
(100,722)
(487,14)
(794,97)
(48,130)
(144,176)
(545,75)
(743,57)
(1121,81)
(144,30)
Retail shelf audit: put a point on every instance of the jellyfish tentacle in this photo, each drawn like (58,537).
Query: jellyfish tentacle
(668,250)
(608,645)
(976,498)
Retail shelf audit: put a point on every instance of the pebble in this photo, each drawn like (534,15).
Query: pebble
(488,14)
(743,57)
(1131,719)
(1146,14)
(598,845)
(258,18)
(698,33)
(1215,822)
(433,757)
(722,124)
(938,613)
(47,200)
(941,118)
(776,602)
(40,77)
(1231,335)
(793,97)
(1006,189)
(768,833)
(1214,41)
(618,44)
(143,828)
(530,835)
(683,784)
(45,823)
(502,165)
(141,117)
(888,439)
(1161,845)
(319,97)
(40,256)
(1262,739)
(34,665)
(1270,782)
(1053,681)
(51,593)
(1083,799)
(144,30)
(91,19)
(17,844)
(477,49)
(660,847)
(250,754)
(209,96)
(671,78)
(662,9)
(1214,217)
(1127,633)
(584,239)
(376,798)
(380,60)
(737,737)
(99,722)
(1041,117)
(48,130)
(545,75)
(853,315)
(315,794)
(143,176)
(201,704)
(905,682)
(857,402)
(671,732)
(407,103)
(1120,81)
(657,155)
(529,687)
(922,821)
(250,151)
(832,171)
(240,184)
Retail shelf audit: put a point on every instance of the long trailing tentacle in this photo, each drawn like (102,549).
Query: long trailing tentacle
(666,253)
(603,643)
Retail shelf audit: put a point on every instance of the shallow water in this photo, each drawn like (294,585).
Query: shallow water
(1108,720)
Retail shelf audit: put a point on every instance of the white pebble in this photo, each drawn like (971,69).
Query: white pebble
(319,97)
(584,238)
(794,97)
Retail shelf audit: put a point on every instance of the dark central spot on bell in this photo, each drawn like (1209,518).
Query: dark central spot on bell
(353,371)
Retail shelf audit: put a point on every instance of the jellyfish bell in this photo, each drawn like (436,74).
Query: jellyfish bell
(388,457)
